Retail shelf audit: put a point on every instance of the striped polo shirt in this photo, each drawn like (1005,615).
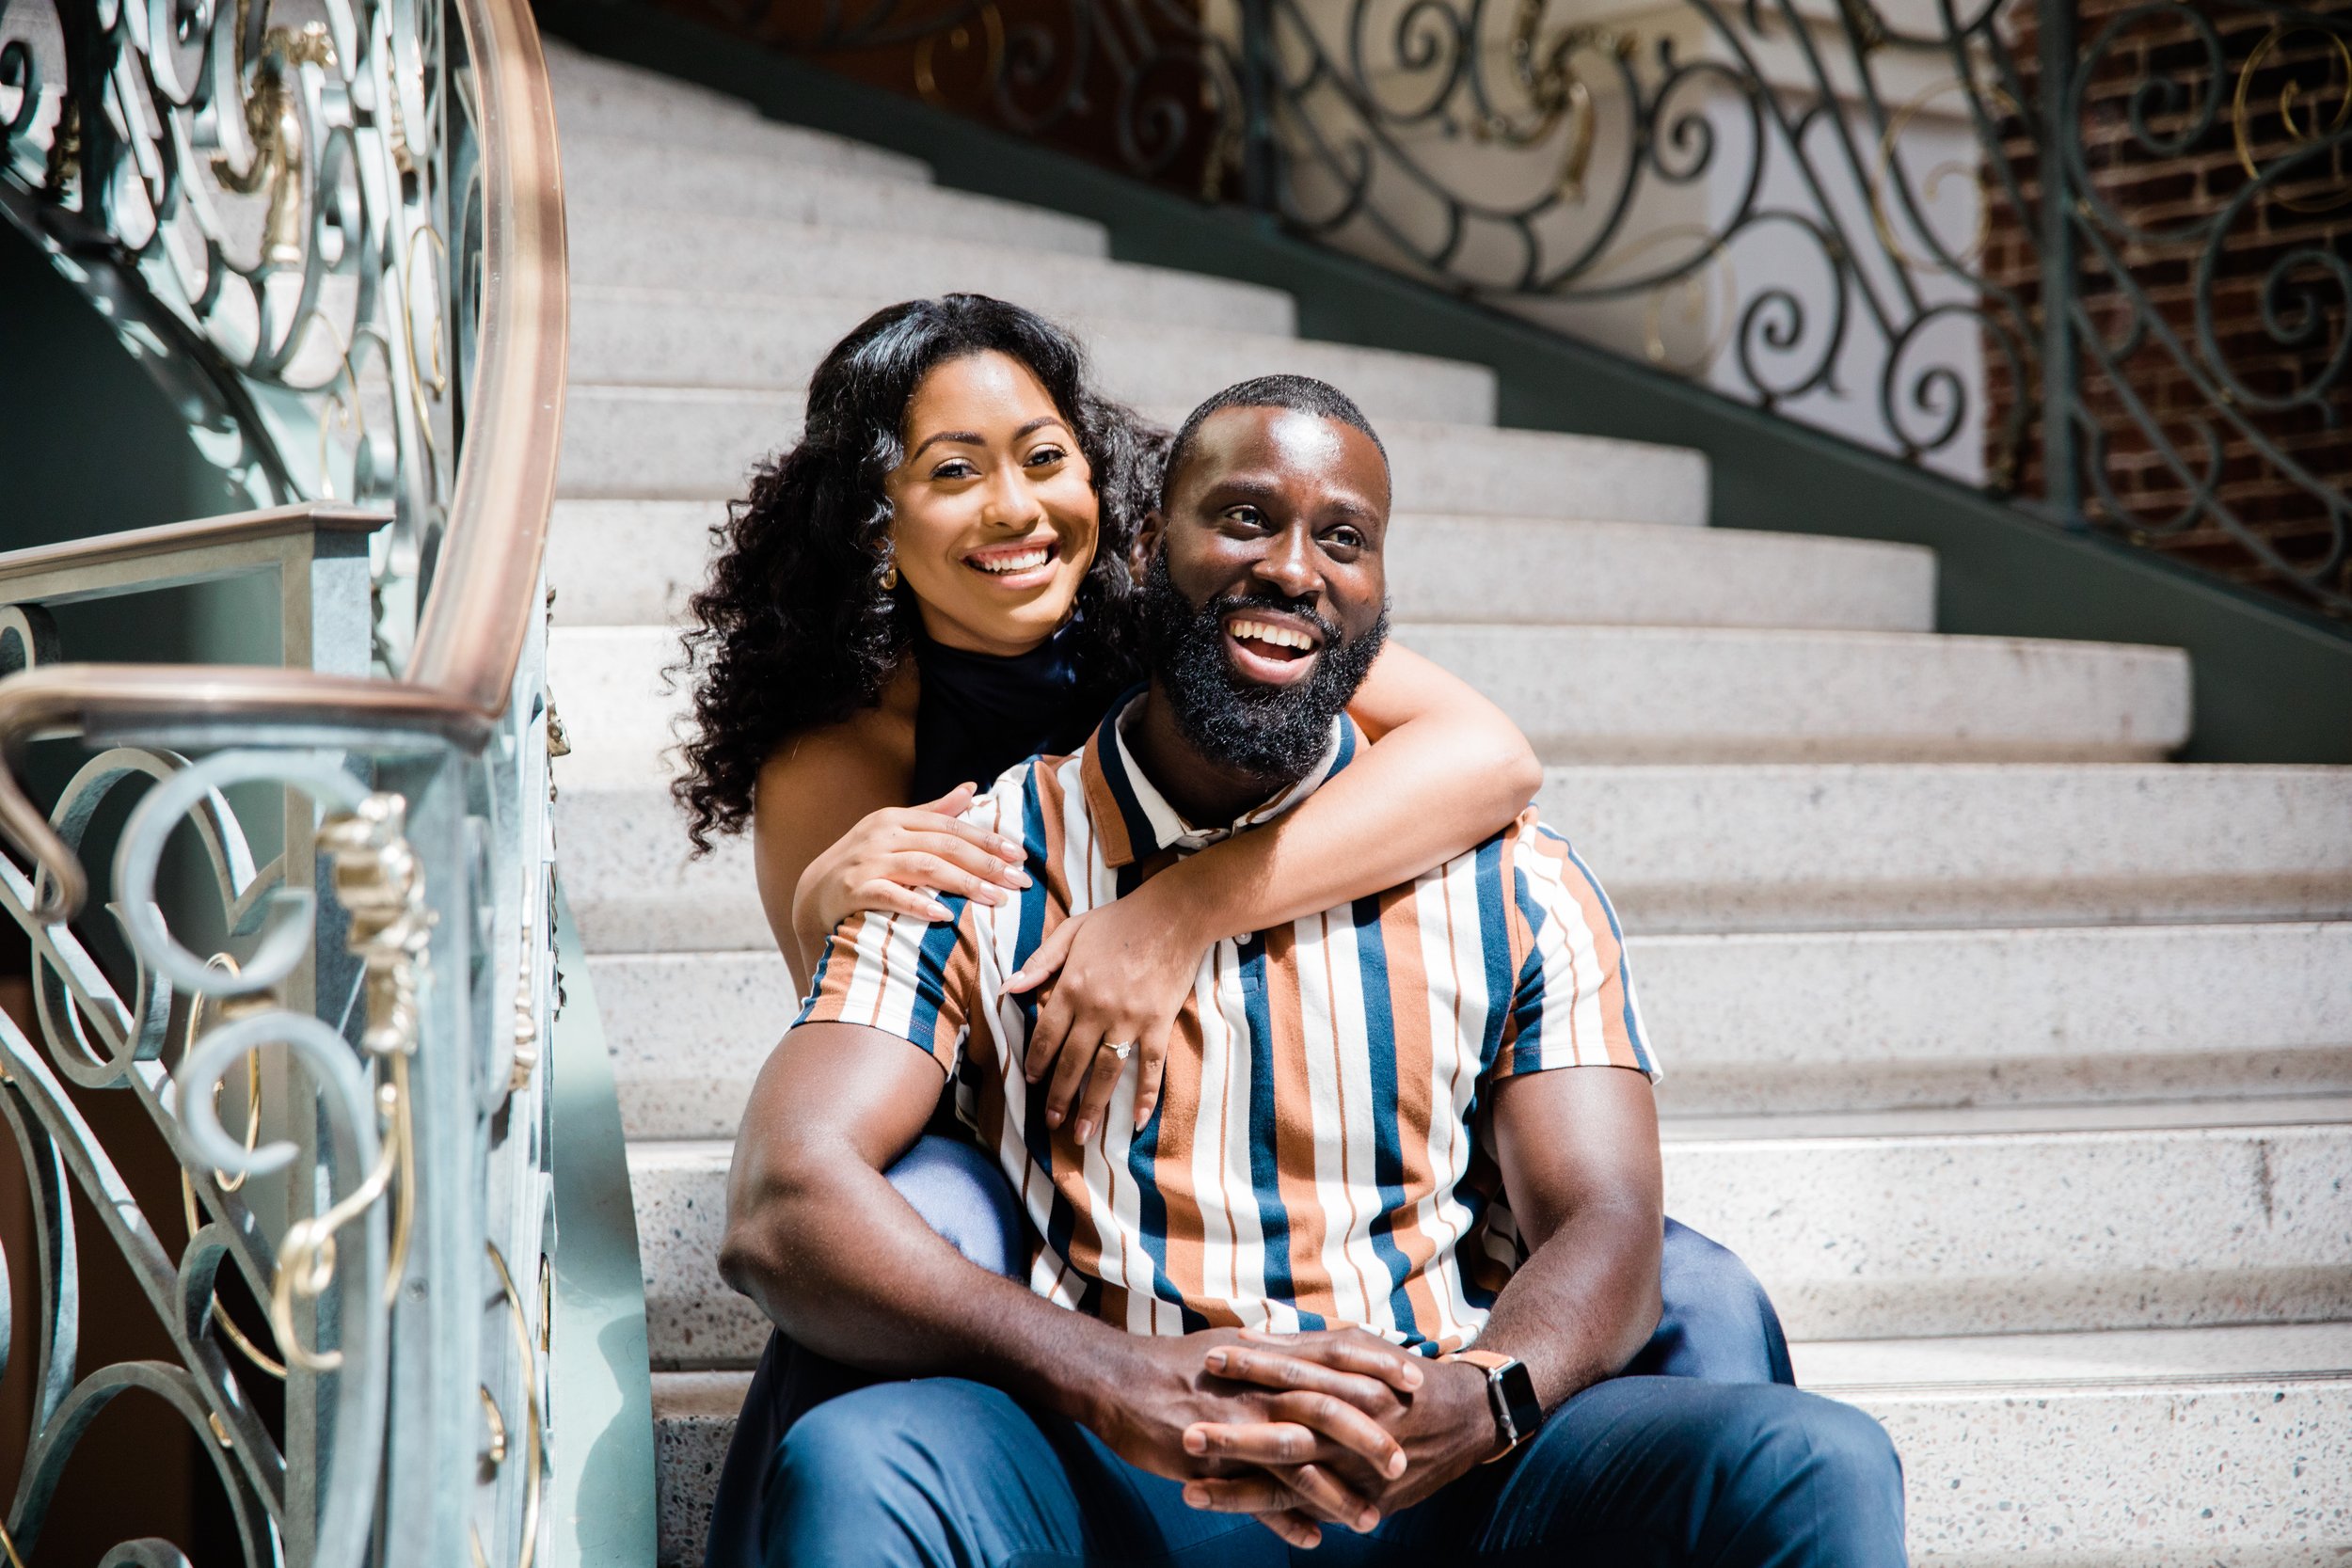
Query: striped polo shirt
(1318,1156)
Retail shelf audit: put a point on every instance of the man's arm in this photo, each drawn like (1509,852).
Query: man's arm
(1579,1151)
(829,1250)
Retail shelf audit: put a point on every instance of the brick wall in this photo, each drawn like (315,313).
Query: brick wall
(2183,189)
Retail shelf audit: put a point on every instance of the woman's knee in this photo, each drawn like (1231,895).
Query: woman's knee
(960,1194)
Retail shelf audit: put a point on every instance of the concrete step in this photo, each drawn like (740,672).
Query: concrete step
(2056,1016)
(634,563)
(2068,1025)
(2166,1449)
(657,443)
(787,260)
(1629,694)
(597,97)
(1952,1231)
(676,338)
(2086,1451)
(648,179)
(1595,694)
(1851,847)
(1776,849)
(693,1420)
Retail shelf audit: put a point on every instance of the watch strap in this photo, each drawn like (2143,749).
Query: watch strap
(1510,1395)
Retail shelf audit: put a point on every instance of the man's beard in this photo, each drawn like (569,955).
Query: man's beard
(1272,733)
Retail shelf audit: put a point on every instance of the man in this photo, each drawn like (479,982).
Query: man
(1292,1312)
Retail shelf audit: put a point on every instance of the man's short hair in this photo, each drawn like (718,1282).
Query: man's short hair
(1301,394)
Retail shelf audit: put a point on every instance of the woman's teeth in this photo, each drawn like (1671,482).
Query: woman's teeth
(1003,566)
(1282,637)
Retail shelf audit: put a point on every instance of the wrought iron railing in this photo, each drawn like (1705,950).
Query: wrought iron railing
(2090,255)
(333,229)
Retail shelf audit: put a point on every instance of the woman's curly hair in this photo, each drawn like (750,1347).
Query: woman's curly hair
(794,628)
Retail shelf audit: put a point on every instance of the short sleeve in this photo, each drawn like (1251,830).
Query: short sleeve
(909,977)
(1572,1002)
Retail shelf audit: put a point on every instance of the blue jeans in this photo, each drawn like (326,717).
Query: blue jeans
(1662,1472)
(1717,1327)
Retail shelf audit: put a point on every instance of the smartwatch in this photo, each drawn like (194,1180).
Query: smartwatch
(1511,1393)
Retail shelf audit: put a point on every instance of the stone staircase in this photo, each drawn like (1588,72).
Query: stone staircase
(2017,1061)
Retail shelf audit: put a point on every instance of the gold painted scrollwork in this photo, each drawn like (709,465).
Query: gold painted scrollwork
(1555,91)
(959,39)
(533,1433)
(2288,94)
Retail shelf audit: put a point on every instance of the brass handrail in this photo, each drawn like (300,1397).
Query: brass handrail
(470,637)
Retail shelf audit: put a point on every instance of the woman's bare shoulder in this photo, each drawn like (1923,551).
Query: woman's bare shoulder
(867,759)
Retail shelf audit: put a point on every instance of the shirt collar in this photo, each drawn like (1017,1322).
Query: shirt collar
(1134,821)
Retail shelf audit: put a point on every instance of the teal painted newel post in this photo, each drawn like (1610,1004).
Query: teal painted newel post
(600,1393)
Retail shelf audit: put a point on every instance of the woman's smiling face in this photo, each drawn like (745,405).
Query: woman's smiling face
(993,515)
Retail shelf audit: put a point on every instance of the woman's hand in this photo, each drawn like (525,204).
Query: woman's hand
(896,860)
(1124,970)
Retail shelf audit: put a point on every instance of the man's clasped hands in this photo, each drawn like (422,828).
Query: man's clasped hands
(1337,1427)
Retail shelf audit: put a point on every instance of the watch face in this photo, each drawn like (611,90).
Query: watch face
(1518,1397)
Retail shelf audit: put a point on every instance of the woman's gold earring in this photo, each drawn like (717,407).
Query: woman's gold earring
(890,577)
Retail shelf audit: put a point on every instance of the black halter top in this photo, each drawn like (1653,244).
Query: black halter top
(978,714)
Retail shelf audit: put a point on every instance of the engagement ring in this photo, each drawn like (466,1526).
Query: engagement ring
(1120,1049)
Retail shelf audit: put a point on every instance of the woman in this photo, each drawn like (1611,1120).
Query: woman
(932,587)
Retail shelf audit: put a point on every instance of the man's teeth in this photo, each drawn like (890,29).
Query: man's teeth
(1259,631)
(1025,560)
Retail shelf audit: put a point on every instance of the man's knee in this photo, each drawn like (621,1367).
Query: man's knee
(1812,1478)
(1839,1442)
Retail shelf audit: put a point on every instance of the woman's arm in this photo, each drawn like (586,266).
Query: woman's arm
(830,834)
(1446,770)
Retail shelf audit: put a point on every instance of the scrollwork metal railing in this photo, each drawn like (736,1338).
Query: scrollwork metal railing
(335,231)
(380,987)
(2092,255)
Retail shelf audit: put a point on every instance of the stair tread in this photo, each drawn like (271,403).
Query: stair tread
(1930,1368)
(657,442)
(632,335)
(1642,693)
(635,175)
(2149,1357)
(633,562)
(1973,1122)
(2069,1023)
(1889,1235)
(614,246)
(1789,849)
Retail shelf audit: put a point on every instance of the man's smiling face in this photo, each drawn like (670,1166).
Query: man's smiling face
(1265,592)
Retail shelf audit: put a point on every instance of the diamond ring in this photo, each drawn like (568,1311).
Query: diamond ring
(1120,1049)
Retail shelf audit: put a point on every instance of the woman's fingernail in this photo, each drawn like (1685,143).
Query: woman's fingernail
(1082,1132)
(1196,1441)
(1216,1360)
(990,896)
(1053,1118)
(1020,878)
(939,914)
